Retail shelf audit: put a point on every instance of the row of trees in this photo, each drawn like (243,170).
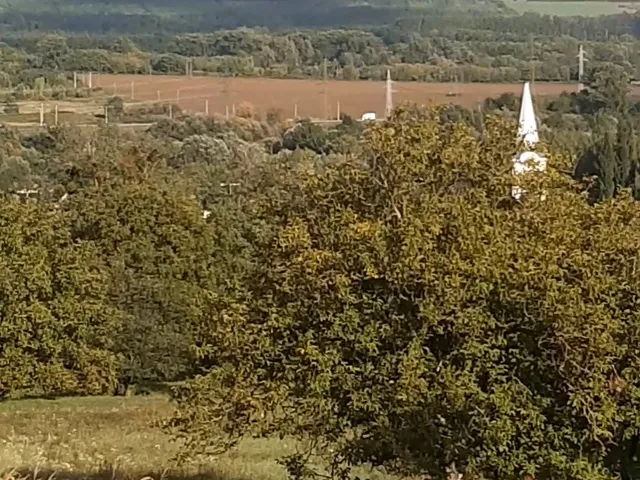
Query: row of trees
(484,54)
(198,15)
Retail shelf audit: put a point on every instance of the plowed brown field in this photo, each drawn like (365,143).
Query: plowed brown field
(354,98)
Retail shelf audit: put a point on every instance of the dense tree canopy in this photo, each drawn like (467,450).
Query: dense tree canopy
(159,251)
(371,288)
(57,326)
(408,313)
(433,48)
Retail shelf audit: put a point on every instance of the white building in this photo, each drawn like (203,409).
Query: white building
(528,160)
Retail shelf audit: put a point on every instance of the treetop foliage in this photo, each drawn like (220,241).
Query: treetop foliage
(57,324)
(434,47)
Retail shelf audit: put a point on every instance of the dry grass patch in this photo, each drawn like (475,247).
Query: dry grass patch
(112,438)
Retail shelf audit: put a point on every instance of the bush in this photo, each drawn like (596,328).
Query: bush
(115,106)
(506,101)
(246,110)
(307,135)
(275,116)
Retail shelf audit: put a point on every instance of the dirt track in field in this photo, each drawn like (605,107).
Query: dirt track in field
(354,98)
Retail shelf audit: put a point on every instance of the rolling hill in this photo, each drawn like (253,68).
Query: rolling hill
(108,16)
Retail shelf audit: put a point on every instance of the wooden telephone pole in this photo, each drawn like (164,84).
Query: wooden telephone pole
(325,93)
(581,61)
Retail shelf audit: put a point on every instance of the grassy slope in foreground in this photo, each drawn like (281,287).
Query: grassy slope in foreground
(116,438)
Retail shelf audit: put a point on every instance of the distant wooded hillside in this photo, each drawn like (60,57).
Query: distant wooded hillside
(103,16)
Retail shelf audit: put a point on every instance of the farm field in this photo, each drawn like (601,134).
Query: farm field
(354,97)
(572,8)
(117,438)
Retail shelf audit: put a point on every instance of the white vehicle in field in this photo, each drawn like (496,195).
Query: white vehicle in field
(368,116)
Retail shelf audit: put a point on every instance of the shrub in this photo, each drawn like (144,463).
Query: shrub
(275,116)
(115,106)
(307,135)
(246,110)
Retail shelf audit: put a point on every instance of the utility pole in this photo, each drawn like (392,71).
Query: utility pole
(324,89)
(458,80)
(338,111)
(388,109)
(581,61)
(532,59)
(75,80)
(133,91)
(55,109)
(206,107)
(42,114)
(480,117)
(106,114)
(170,110)
(90,80)
(226,89)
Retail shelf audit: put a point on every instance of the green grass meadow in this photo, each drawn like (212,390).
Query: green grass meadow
(118,438)
(114,438)
(571,8)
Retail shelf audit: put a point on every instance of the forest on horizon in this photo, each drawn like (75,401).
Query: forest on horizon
(154,16)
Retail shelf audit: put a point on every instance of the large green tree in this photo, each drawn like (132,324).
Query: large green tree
(159,250)
(612,157)
(408,313)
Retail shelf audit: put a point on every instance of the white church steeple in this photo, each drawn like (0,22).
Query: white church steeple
(527,125)
(528,160)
